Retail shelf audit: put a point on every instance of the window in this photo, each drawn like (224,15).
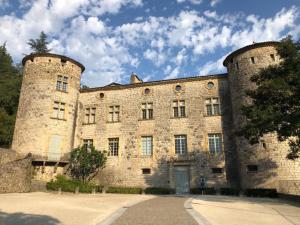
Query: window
(252,168)
(178,88)
(114,113)
(90,115)
(210,85)
(180,144)
(113,146)
(87,143)
(147,111)
(214,142)
(147,91)
(252,60)
(217,170)
(179,108)
(272,57)
(62,83)
(58,110)
(146,171)
(147,146)
(101,95)
(212,106)
(237,65)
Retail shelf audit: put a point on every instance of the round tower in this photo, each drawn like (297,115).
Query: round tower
(45,120)
(264,164)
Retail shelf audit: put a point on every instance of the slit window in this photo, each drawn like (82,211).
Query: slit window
(237,66)
(252,60)
(272,57)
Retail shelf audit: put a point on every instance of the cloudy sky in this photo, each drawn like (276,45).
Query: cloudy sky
(157,39)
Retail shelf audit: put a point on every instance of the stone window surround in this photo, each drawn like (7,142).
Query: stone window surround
(180,139)
(113,147)
(142,149)
(89,115)
(114,114)
(147,111)
(179,109)
(57,108)
(221,147)
(62,83)
(212,106)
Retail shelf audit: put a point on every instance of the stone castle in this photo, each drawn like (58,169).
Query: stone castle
(176,133)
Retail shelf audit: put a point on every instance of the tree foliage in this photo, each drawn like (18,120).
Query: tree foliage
(276,101)
(10,84)
(39,45)
(86,162)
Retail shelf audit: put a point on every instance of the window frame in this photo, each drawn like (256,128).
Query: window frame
(213,150)
(58,110)
(113,146)
(145,152)
(62,83)
(87,143)
(181,147)
(213,108)
(90,115)
(179,108)
(114,113)
(147,110)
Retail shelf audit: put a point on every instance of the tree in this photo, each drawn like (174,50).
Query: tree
(10,85)
(86,162)
(275,103)
(39,45)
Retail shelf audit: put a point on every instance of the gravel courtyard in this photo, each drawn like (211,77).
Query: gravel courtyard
(87,209)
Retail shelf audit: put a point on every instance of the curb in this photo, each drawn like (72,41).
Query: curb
(196,215)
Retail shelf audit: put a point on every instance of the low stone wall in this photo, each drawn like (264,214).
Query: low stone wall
(15,172)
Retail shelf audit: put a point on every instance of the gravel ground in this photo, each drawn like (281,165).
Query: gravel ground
(157,211)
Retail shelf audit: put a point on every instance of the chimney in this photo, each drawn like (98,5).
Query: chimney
(134,79)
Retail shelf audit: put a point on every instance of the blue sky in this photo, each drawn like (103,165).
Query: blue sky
(157,39)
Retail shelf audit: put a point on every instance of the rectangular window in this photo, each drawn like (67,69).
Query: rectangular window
(217,170)
(113,146)
(147,111)
(58,110)
(252,168)
(237,66)
(62,83)
(214,142)
(180,144)
(212,106)
(90,115)
(146,171)
(252,60)
(87,143)
(272,57)
(147,146)
(179,108)
(114,113)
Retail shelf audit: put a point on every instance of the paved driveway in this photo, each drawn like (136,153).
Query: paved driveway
(222,210)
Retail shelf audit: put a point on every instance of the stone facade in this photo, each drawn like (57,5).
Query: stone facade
(89,115)
(15,172)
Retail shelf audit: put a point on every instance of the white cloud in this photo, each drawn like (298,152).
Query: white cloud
(196,2)
(173,74)
(212,67)
(213,3)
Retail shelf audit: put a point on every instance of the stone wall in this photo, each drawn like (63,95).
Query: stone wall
(15,172)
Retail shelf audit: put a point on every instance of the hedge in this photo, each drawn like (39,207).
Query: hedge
(230,191)
(261,192)
(68,185)
(159,191)
(204,191)
(124,190)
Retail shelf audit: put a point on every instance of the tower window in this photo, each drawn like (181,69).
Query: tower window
(114,113)
(62,83)
(212,106)
(58,110)
(63,62)
(147,111)
(252,168)
(90,115)
(252,60)
(179,108)
(87,143)
(113,146)
(214,143)
(237,66)
(178,88)
(147,91)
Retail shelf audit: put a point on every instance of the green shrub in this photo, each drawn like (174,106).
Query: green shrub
(68,185)
(159,191)
(204,191)
(124,190)
(261,192)
(230,191)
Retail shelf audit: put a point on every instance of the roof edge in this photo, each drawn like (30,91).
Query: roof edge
(156,82)
(248,47)
(32,55)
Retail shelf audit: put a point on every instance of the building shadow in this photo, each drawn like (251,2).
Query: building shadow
(26,219)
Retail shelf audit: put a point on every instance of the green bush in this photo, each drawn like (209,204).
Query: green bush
(68,185)
(159,191)
(230,191)
(124,190)
(261,192)
(204,191)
